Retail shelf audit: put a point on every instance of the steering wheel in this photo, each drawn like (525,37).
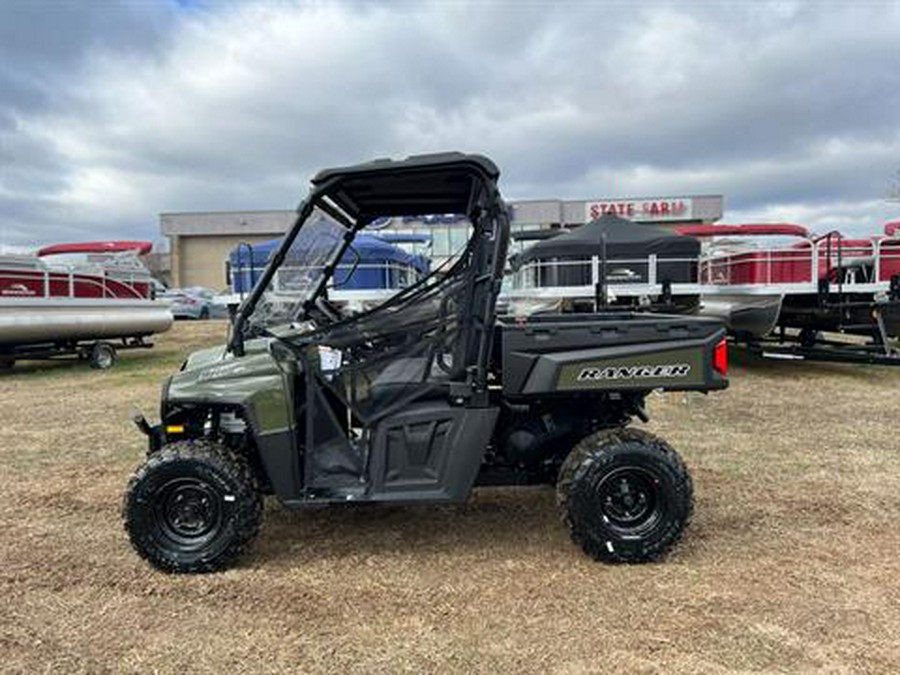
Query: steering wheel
(328,309)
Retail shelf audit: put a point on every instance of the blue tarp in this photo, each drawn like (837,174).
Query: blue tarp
(380,262)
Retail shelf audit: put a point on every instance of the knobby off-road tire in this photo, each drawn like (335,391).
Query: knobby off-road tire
(625,495)
(193,506)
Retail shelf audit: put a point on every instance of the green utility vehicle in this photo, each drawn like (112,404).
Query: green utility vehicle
(420,398)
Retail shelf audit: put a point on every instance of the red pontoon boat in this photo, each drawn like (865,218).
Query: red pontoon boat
(826,284)
(69,299)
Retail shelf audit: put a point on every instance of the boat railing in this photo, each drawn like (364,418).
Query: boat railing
(72,283)
(838,265)
(347,277)
(887,258)
(833,261)
(738,266)
(617,277)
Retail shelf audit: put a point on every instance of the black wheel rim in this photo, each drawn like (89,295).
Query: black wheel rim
(188,513)
(630,500)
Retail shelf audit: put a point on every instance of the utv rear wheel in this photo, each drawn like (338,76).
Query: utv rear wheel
(192,507)
(625,495)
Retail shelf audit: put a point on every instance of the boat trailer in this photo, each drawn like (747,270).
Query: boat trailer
(100,354)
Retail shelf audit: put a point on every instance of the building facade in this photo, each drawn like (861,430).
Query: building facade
(201,241)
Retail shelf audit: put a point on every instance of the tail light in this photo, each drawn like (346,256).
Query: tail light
(720,357)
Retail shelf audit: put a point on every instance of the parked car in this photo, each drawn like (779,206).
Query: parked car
(216,309)
(188,303)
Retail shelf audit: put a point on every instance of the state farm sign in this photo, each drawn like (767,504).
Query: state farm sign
(661,209)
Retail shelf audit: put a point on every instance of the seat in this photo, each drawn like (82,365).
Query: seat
(404,377)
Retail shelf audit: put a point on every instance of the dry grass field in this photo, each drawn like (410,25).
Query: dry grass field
(791,563)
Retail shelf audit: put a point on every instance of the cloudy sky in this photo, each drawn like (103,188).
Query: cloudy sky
(112,113)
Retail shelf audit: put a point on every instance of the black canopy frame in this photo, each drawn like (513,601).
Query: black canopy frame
(417,186)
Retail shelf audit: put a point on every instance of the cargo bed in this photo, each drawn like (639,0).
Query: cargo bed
(614,351)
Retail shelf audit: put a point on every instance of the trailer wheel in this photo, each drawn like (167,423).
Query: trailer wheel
(102,356)
(625,496)
(192,507)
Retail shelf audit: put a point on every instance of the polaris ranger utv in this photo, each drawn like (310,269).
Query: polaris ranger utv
(419,399)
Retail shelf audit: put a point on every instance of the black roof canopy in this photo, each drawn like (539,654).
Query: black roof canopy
(450,182)
(624,239)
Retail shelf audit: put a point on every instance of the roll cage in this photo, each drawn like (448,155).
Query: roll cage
(355,196)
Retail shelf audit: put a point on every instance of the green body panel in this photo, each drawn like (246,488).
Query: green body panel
(203,357)
(254,381)
(667,369)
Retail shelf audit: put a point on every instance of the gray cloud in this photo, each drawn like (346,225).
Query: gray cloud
(110,114)
(43,44)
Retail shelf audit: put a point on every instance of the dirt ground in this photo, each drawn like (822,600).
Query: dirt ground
(791,563)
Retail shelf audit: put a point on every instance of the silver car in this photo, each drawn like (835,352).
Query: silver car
(187,303)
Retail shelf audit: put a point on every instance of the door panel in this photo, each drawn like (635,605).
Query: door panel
(429,452)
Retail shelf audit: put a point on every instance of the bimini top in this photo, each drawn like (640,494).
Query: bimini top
(371,249)
(118,246)
(420,185)
(624,239)
(754,230)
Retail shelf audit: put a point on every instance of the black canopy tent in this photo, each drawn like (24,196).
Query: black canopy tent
(627,245)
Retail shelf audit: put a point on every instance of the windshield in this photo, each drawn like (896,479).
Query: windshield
(372,271)
(316,244)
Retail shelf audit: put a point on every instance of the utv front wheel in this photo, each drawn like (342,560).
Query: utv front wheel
(192,507)
(625,495)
